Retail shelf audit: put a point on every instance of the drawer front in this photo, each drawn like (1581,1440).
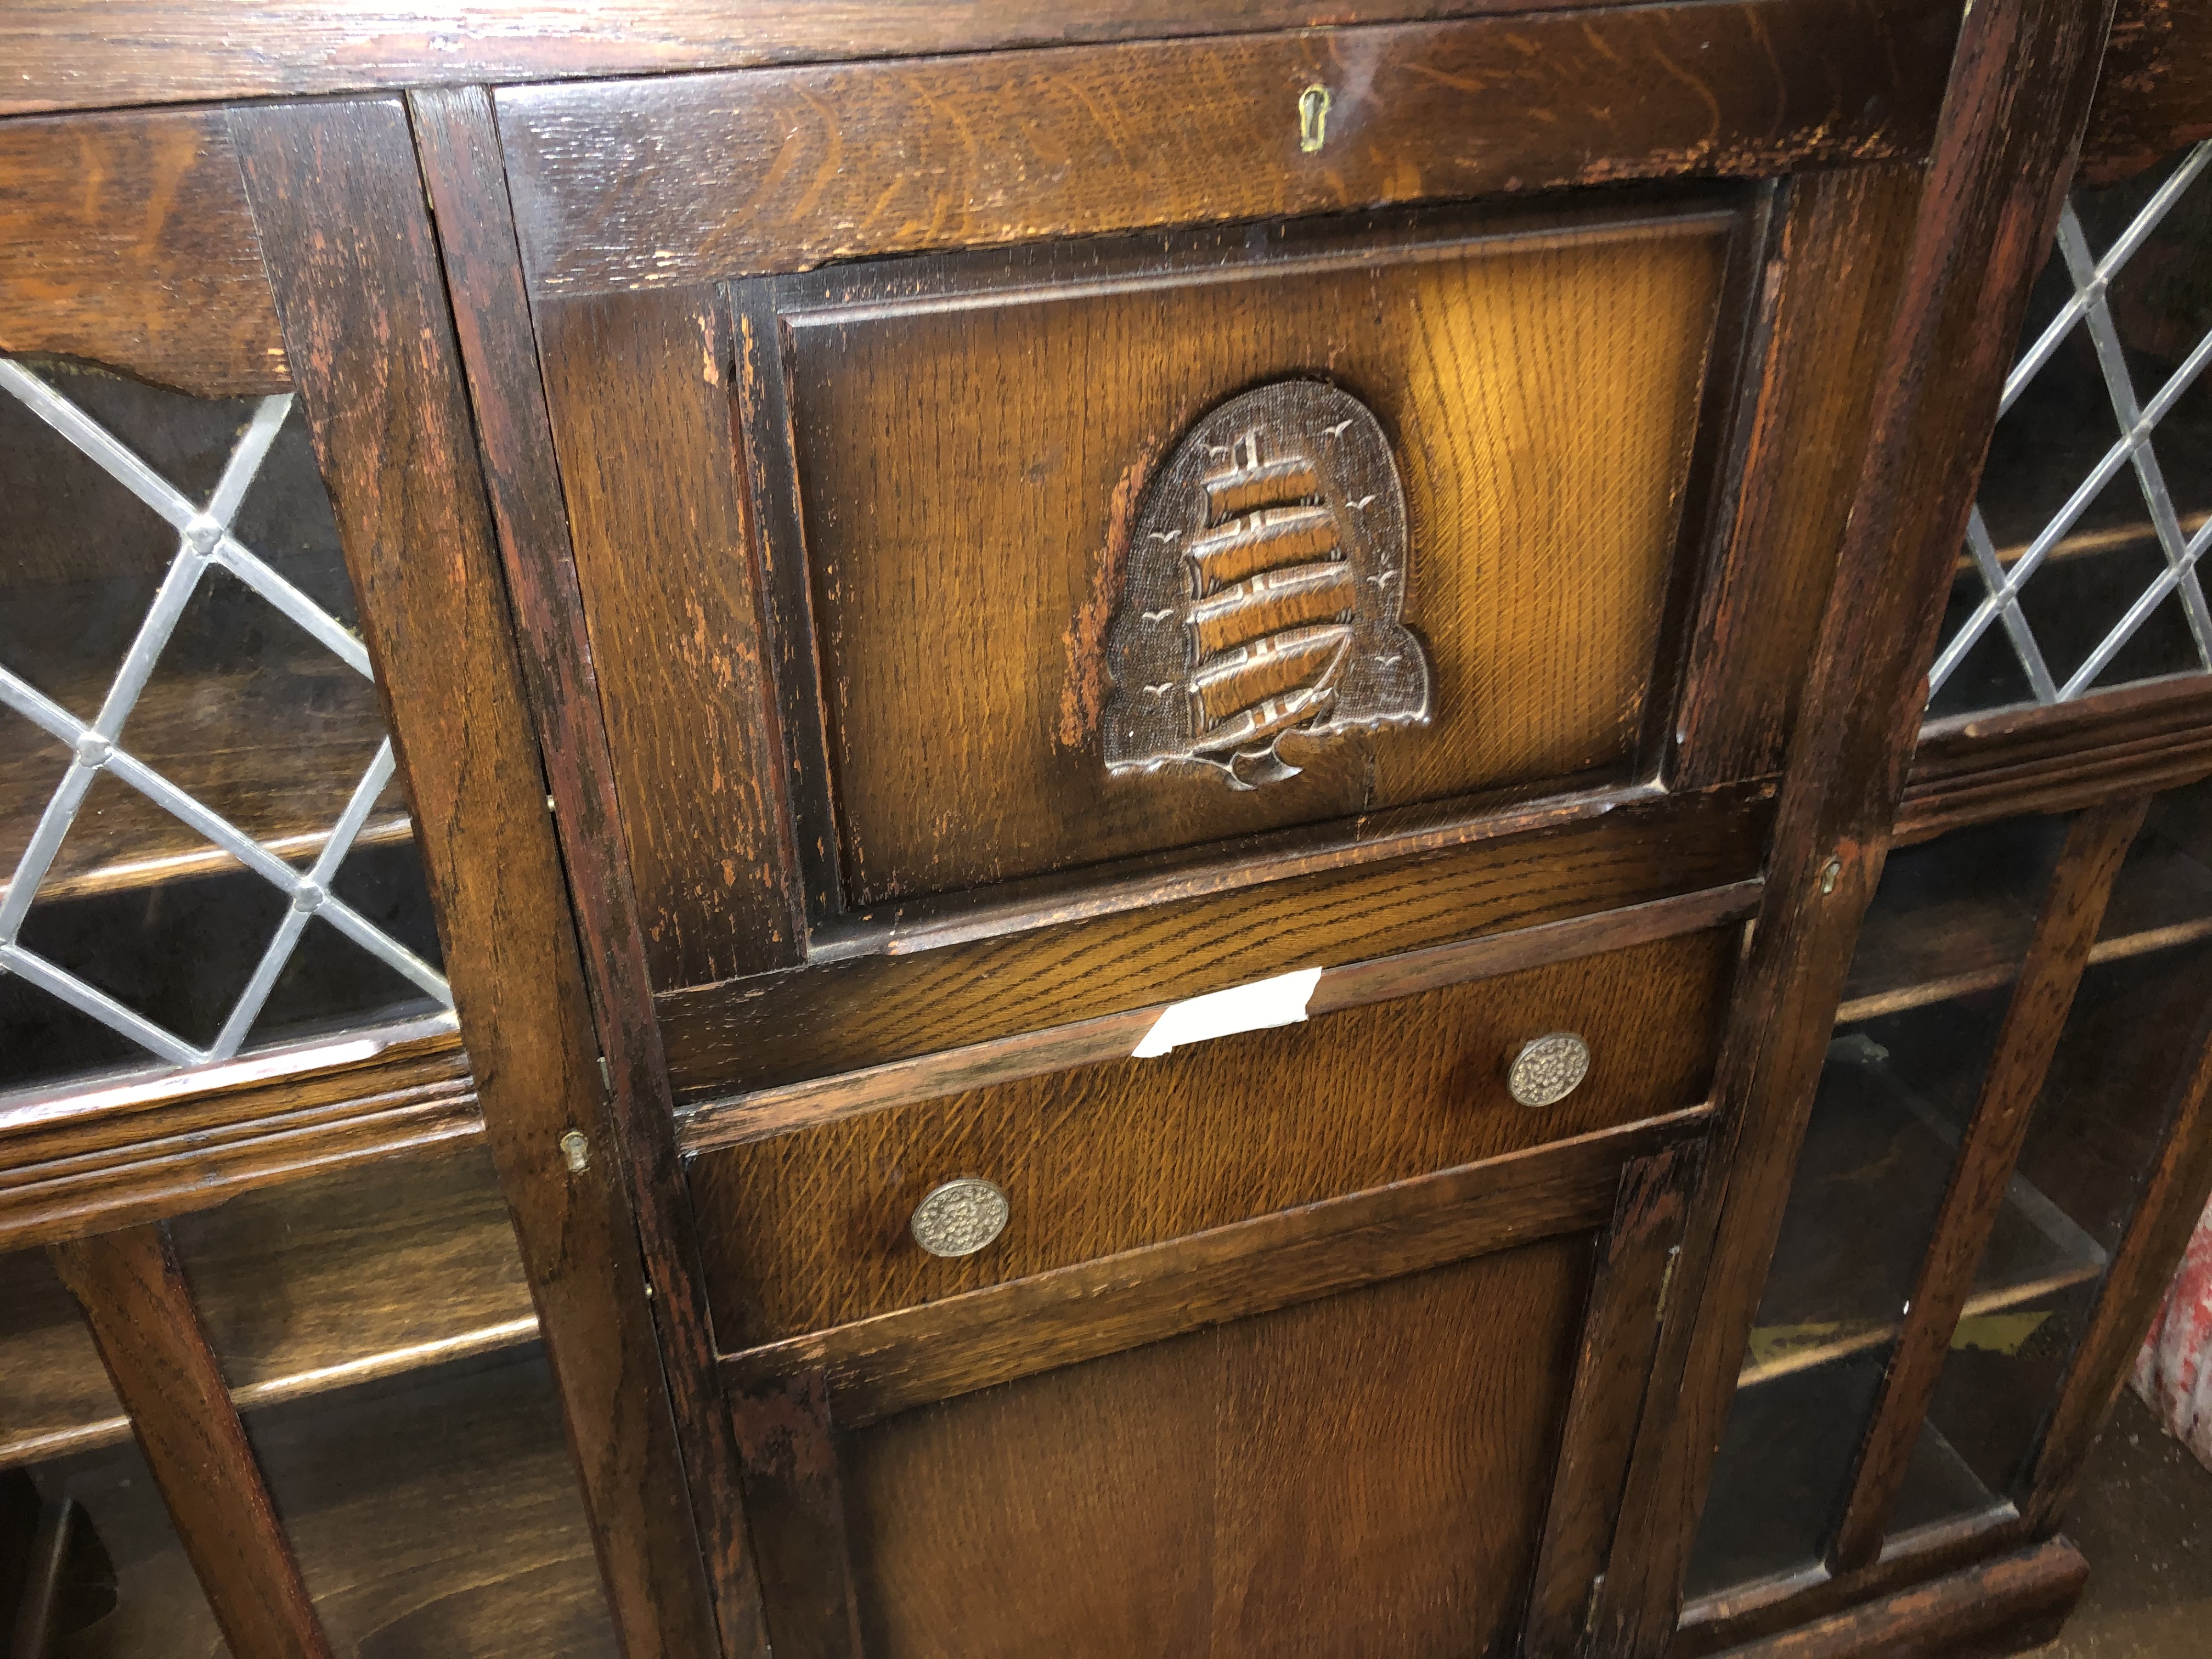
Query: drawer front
(812,1228)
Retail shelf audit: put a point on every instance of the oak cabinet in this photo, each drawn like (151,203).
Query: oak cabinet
(966,832)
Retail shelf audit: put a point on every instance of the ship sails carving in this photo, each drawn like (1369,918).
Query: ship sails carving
(1265,581)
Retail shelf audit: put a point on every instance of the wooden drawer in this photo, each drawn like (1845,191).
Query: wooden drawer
(809,1229)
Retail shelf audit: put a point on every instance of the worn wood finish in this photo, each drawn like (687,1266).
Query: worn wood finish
(788,1467)
(1447,886)
(887,1364)
(140,1312)
(82,54)
(459,150)
(2156,93)
(1303,1483)
(1628,1298)
(2172,1199)
(365,316)
(304,1287)
(2008,1604)
(809,1229)
(956,540)
(953,1071)
(126,240)
(1834,278)
(2018,94)
(2073,910)
(638,388)
(2137,739)
(627,187)
(137,1153)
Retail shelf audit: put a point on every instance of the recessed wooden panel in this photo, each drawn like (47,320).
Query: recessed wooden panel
(1364,1474)
(974,446)
(809,1229)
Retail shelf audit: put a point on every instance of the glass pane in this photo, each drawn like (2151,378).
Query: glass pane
(202,846)
(2095,1132)
(124,1586)
(2068,580)
(1942,943)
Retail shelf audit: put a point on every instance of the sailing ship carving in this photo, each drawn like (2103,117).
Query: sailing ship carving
(1265,581)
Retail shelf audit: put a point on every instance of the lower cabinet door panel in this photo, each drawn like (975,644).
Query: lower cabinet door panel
(1364,1474)
(1394,1423)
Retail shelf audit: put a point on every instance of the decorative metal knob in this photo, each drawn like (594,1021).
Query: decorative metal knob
(960,1217)
(1548,1069)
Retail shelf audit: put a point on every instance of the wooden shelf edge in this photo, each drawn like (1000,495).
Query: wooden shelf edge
(46,1443)
(1953,985)
(120,875)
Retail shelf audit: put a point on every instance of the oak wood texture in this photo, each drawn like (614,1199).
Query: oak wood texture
(808,1229)
(789,1471)
(1988,1147)
(949,533)
(2018,93)
(666,183)
(125,240)
(140,1310)
(879,1366)
(137,1153)
(1628,1298)
(2173,1197)
(1831,290)
(373,351)
(459,152)
(2156,93)
(79,54)
(2135,740)
(1308,1482)
(311,1286)
(952,1071)
(2007,1605)
(1206,932)
(439,1517)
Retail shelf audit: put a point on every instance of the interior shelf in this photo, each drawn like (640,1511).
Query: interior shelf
(1974,939)
(376,1270)
(1834,1282)
(436,1515)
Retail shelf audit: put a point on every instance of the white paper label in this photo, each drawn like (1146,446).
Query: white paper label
(1254,1007)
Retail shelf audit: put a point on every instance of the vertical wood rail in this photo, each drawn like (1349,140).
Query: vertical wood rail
(788,1456)
(2013,109)
(2073,908)
(337,198)
(1627,1302)
(458,144)
(2173,1197)
(148,1330)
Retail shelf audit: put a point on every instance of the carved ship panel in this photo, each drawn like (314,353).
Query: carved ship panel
(1266,580)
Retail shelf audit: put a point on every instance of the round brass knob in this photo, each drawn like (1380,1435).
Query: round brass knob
(1548,1069)
(960,1217)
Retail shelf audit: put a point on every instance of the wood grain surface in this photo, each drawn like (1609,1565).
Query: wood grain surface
(638,388)
(136,1153)
(794,1505)
(2156,92)
(125,240)
(1989,1148)
(2018,93)
(459,153)
(885,1364)
(1832,291)
(746,1035)
(1307,1482)
(666,183)
(140,1310)
(962,526)
(362,296)
(809,1229)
